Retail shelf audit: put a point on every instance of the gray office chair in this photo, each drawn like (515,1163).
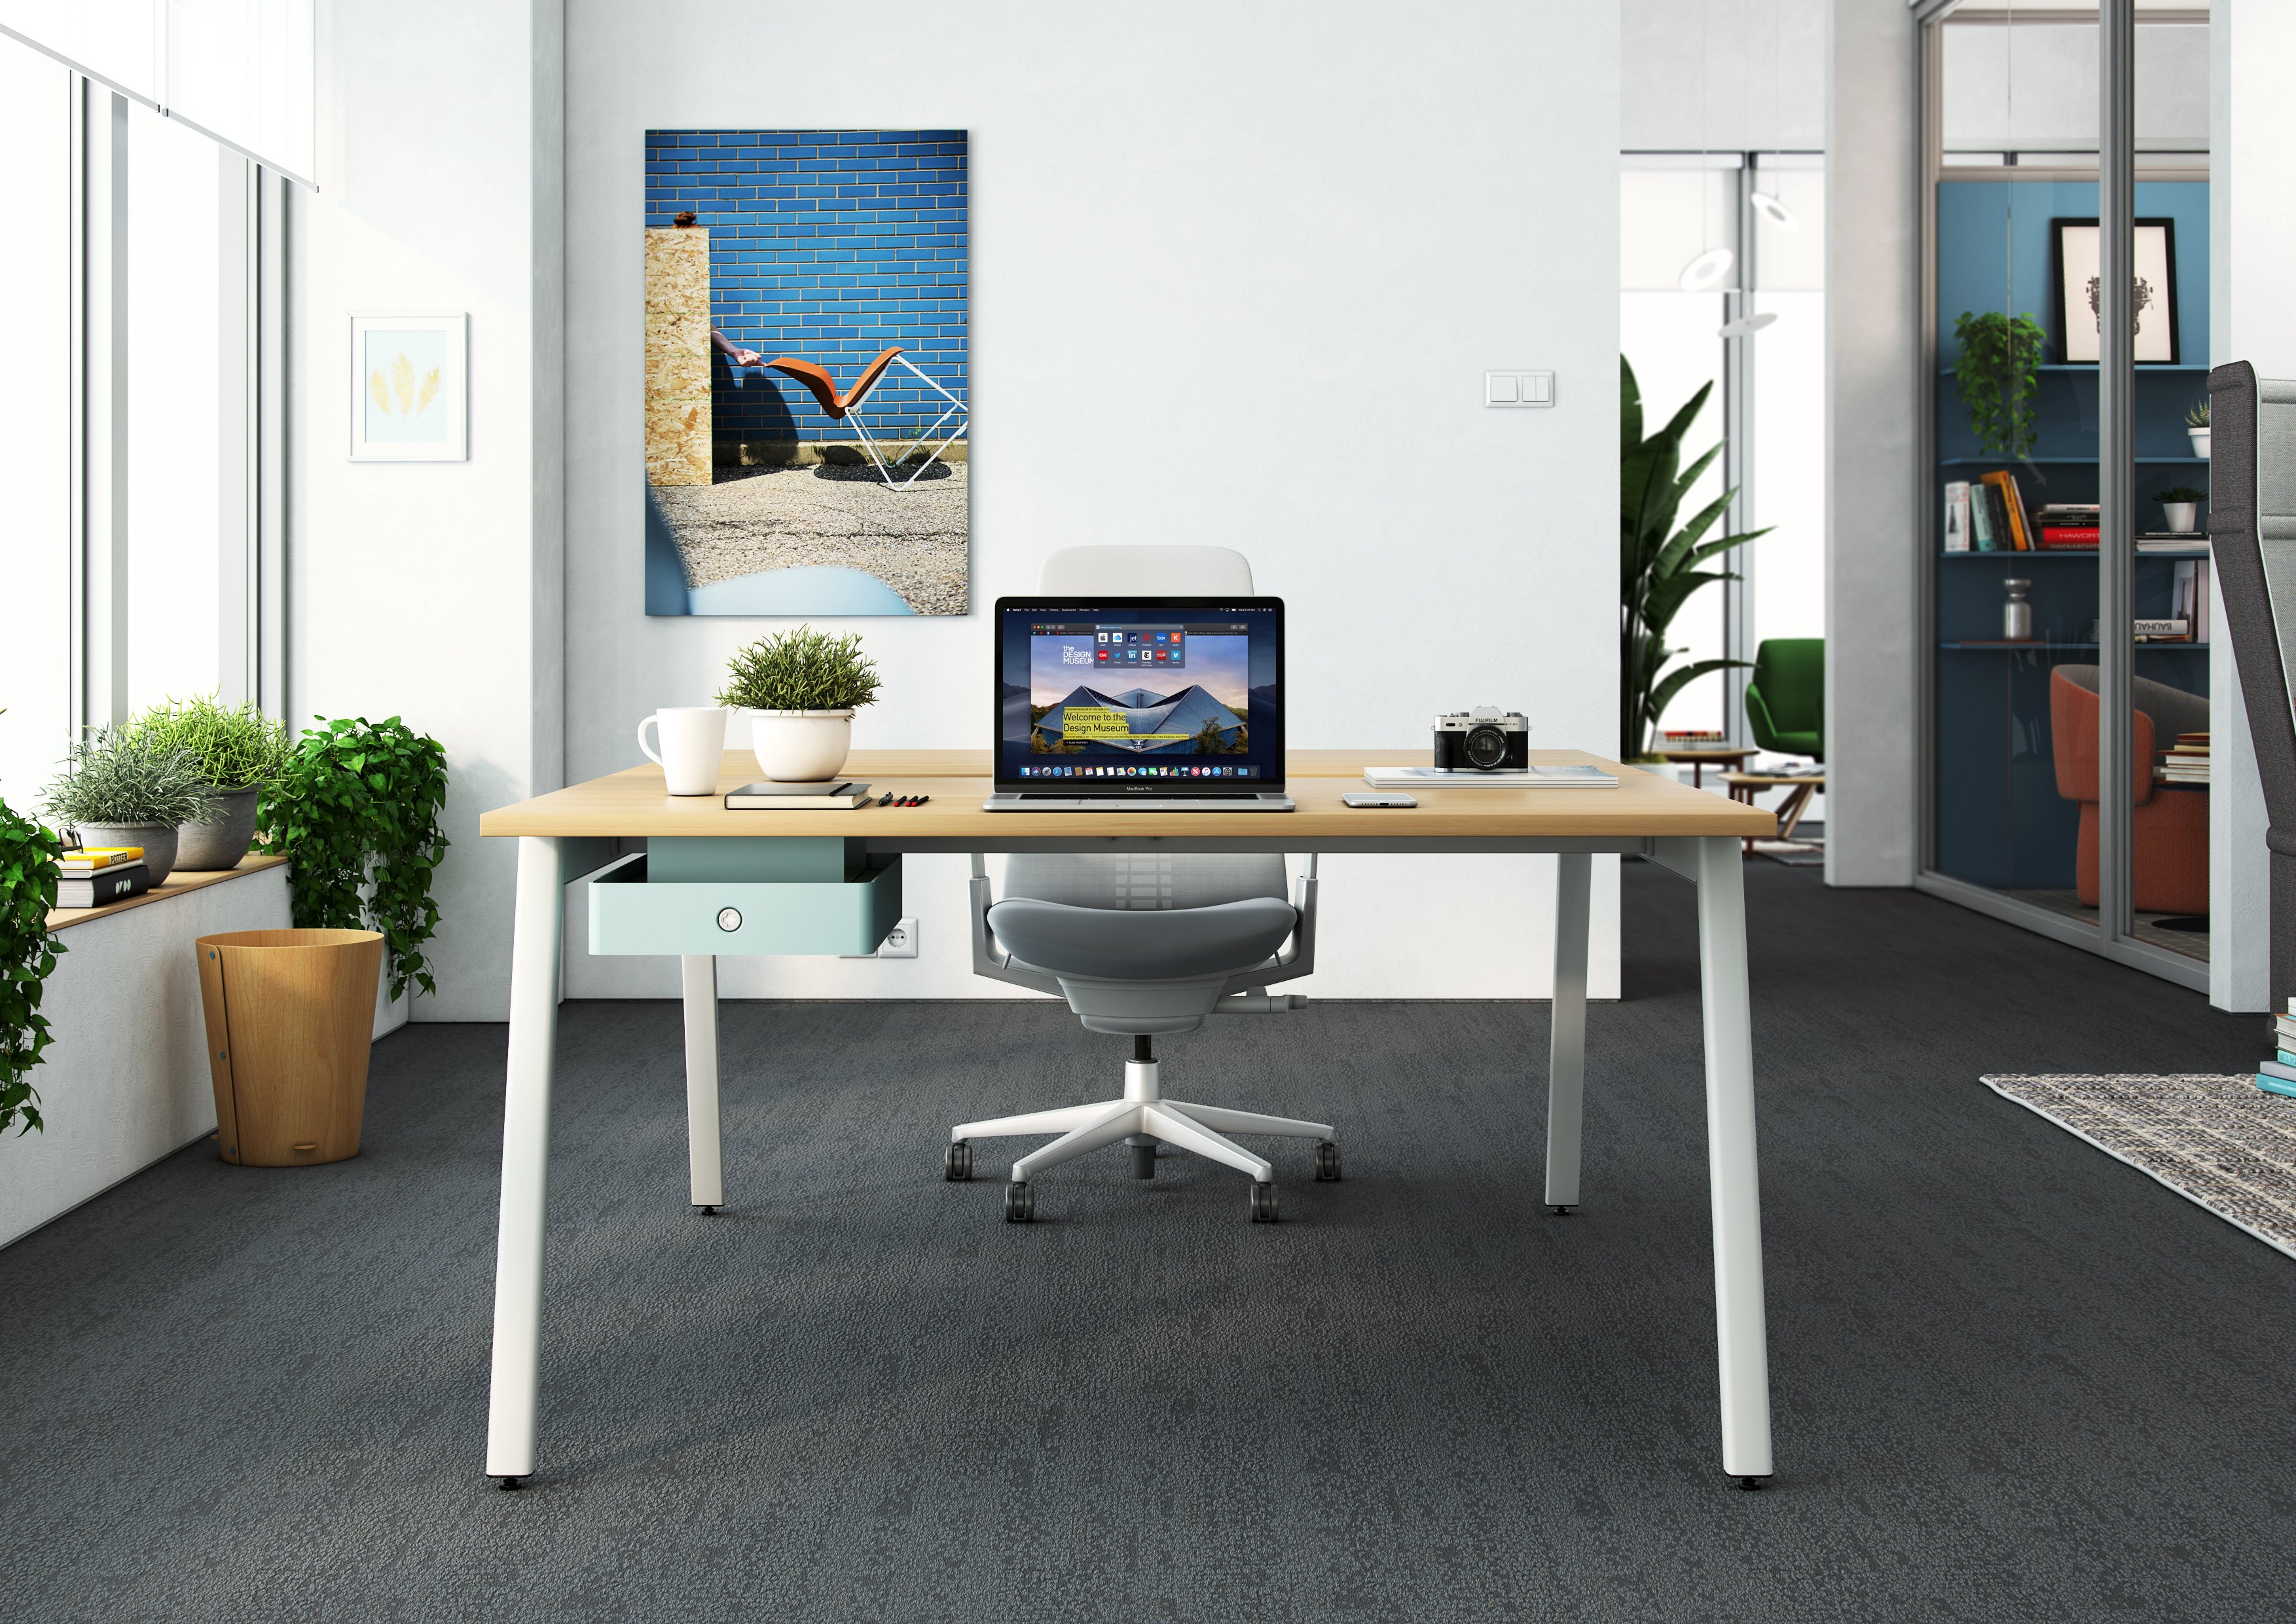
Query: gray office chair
(2252,536)
(1144,943)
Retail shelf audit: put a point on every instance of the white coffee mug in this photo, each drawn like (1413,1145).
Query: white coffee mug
(693,741)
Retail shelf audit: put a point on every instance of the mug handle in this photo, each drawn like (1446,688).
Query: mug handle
(649,720)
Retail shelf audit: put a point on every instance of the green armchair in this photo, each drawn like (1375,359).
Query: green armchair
(1785,700)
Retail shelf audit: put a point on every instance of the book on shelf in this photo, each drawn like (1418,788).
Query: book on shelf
(2189,595)
(2162,628)
(1956,516)
(2069,537)
(92,890)
(2068,512)
(88,860)
(767,796)
(1980,521)
(2008,506)
(2273,1068)
(2171,541)
(2273,1085)
(1695,738)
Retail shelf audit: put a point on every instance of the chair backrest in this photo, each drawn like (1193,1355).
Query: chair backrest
(1175,571)
(1790,673)
(1145,880)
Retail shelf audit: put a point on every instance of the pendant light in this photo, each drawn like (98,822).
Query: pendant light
(1710,267)
(1770,205)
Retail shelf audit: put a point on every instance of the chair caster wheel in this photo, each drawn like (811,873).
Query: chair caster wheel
(1327,1161)
(1020,1202)
(509,1485)
(1263,1204)
(958,1165)
(1752,1483)
(1143,1161)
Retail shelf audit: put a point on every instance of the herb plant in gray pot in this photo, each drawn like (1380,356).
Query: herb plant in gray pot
(119,789)
(238,750)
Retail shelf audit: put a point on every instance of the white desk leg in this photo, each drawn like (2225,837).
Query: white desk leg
(526,1160)
(699,972)
(1732,1177)
(1566,1064)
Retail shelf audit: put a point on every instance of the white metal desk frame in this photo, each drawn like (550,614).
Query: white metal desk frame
(546,865)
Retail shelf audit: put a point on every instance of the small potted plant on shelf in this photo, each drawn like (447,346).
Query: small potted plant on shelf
(2181,503)
(2197,425)
(802,687)
(28,952)
(120,789)
(239,750)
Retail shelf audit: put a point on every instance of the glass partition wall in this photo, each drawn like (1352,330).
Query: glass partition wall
(2066,578)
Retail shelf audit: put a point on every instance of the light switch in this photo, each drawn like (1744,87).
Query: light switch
(1519,388)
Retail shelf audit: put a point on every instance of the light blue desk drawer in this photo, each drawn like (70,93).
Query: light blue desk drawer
(732,917)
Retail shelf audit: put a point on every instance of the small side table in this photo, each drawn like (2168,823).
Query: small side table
(1745,786)
(1701,759)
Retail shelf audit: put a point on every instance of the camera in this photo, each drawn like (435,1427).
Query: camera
(1484,740)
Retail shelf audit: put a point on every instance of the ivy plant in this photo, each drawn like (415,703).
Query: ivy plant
(800,670)
(1997,373)
(355,811)
(28,952)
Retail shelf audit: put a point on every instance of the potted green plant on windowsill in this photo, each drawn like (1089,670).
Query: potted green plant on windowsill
(2197,426)
(28,952)
(120,789)
(803,688)
(2180,505)
(239,750)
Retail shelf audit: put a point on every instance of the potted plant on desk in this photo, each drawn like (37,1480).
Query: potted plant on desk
(119,788)
(239,750)
(802,687)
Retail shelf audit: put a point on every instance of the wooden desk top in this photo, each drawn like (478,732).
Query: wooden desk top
(634,803)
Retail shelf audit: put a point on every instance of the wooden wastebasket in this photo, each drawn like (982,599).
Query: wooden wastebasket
(290,1019)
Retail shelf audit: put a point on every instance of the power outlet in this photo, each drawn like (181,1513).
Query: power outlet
(901,942)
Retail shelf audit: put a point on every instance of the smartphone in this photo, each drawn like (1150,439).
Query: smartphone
(1382,798)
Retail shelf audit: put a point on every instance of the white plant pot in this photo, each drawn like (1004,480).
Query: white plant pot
(2200,442)
(2182,515)
(801,746)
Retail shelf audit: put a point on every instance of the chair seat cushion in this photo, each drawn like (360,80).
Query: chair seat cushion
(1147,944)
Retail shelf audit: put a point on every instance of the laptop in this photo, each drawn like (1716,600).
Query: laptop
(1158,704)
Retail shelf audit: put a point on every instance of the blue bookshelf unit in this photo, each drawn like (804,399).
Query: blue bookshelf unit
(1998,819)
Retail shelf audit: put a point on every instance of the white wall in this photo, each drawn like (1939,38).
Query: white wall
(1873,404)
(2252,245)
(431,590)
(1196,220)
(125,1082)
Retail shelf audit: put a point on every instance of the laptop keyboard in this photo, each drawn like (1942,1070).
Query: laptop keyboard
(1024,803)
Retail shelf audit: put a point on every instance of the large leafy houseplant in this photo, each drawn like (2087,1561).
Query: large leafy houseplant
(1658,562)
(1997,373)
(28,952)
(355,811)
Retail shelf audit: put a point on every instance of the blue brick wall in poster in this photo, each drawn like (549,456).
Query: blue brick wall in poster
(829,245)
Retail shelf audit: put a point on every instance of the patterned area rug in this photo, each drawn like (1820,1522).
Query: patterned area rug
(2219,1141)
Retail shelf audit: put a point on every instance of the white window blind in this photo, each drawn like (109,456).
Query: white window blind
(239,71)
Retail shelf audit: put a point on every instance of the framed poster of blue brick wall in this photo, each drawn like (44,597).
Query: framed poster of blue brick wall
(806,372)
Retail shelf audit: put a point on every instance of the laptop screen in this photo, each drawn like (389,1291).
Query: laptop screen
(1140,696)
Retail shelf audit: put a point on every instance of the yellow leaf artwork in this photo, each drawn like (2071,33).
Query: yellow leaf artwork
(429,391)
(402,382)
(378,391)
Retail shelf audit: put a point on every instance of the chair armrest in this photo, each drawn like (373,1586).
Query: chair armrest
(988,958)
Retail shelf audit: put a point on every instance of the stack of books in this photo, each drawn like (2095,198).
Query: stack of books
(93,875)
(2278,1074)
(2186,761)
(2070,527)
(1695,738)
(1988,515)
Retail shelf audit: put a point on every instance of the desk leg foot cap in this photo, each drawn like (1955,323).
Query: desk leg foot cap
(511,1483)
(707,1212)
(1750,1484)
(1563,1211)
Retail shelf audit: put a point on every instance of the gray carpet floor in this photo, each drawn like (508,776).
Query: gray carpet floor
(2013,1379)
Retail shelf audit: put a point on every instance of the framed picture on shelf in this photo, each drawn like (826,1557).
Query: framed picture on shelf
(408,387)
(2077,289)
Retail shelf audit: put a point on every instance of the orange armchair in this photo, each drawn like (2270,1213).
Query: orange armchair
(2170,831)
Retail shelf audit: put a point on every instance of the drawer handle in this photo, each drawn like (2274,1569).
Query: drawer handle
(729,919)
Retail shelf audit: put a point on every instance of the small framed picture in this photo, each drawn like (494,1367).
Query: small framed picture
(2078,283)
(408,388)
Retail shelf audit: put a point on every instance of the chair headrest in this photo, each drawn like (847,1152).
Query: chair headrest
(1173,571)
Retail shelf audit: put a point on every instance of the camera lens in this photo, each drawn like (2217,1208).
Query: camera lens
(1485,748)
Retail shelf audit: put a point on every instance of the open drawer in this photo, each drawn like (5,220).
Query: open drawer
(688,916)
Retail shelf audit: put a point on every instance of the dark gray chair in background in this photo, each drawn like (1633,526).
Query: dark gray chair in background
(2253,534)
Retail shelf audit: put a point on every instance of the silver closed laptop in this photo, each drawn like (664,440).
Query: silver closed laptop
(1143,704)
